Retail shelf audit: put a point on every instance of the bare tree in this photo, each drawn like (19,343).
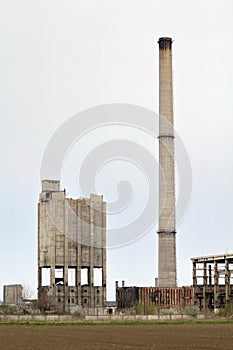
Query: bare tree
(28,292)
(45,300)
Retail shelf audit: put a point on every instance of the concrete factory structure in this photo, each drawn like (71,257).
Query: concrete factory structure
(71,250)
(167,220)
(212,281)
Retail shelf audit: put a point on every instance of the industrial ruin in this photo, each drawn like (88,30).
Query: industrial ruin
(212,281)
(159,297)
(72,241)
(71,250)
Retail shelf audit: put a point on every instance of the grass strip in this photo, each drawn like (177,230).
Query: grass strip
(111,324)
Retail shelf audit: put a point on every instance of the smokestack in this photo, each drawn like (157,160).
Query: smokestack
(167,222)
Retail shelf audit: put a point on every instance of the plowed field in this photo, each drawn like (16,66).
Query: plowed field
(101,337)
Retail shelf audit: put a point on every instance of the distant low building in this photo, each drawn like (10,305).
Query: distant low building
(13,294)
(110,307)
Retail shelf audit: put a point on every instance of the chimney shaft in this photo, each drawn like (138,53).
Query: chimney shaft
(167,224)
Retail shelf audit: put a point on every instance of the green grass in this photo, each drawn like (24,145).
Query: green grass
(110,324)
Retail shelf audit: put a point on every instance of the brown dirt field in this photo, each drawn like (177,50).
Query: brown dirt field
(116,337)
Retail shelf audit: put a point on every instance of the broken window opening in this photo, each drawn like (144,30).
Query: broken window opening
(59,275)
(45,276)
(200,281)
(221,281)
(84,276)
(72,276)
(98,276)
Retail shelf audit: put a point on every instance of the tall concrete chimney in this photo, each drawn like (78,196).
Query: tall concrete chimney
(167,221)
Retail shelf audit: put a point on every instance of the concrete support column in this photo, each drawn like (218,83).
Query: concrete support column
(104,272)
(79,255)
(194,283)
(227,281)
(39,273)
(52,275)
(66,257)
(204,284)
(216,275)
(91,270)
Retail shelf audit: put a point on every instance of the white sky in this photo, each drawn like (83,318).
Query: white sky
(61,57)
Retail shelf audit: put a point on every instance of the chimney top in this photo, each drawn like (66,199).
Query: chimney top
(165,43)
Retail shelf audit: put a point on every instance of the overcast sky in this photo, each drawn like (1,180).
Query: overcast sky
(61,57)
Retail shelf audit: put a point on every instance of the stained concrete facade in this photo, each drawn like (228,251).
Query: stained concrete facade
(213,281)
(71,250)
(13,294)
(167,221)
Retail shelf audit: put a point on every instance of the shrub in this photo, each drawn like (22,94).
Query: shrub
(226,311)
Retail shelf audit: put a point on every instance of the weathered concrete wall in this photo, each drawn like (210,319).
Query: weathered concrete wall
(71,237)
(12,294)
(107,318)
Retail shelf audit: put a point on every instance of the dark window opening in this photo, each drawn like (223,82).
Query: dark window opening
(59,275)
